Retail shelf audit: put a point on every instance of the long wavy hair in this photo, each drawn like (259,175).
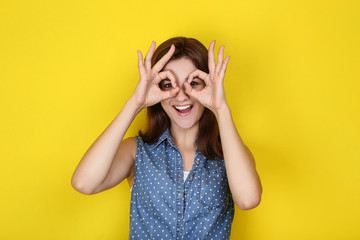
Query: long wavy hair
(208,141)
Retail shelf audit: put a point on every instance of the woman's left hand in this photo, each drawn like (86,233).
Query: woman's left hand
(212,96)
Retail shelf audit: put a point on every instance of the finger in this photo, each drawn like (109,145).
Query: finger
(211,59)
(161,63)
(200,74)
(140,63)
(223,68)
(169,94)
(190,91)
(220,59)
(166,75)
(174,91)
(149,56)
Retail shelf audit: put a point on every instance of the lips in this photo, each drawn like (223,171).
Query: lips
(183,109)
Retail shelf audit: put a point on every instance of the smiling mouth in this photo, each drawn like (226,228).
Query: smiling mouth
(183,109)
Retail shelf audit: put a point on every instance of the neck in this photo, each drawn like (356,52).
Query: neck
(184,138)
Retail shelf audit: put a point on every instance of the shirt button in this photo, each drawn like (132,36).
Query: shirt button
(191,177)
(197,162)
(184,195)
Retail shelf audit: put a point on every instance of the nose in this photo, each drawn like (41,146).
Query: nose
(181,95)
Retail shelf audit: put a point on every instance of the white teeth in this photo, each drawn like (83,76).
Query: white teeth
(182,107)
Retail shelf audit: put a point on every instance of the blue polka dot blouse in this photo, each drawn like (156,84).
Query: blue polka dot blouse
(164,206)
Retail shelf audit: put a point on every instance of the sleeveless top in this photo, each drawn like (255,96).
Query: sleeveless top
(165,206)
(186,173)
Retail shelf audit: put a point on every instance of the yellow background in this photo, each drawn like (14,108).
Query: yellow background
(67,68)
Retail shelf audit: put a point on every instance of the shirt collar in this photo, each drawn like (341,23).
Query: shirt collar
(167,136)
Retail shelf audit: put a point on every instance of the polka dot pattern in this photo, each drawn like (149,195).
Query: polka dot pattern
(166,204)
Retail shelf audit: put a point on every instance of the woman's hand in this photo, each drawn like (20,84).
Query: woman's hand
(147,91)
(212,96)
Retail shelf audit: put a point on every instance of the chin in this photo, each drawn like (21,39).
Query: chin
(185,125)
(185,122)
(185,118)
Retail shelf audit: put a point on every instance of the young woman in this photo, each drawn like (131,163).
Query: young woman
(190,166)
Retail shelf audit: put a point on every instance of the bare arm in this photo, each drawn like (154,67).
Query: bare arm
(244,181)
(109,160)
(91,175)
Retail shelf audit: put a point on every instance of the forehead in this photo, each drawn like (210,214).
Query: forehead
(181,67)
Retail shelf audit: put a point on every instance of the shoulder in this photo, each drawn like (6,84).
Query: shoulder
(129,145)
(129,142)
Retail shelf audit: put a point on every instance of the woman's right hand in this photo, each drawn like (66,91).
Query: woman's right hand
(147,91)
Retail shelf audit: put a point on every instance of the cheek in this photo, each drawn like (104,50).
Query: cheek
(165,105)
(201,110)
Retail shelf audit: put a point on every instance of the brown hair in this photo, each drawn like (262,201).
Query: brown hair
(208,141)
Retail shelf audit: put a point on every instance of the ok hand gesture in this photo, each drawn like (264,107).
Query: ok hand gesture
(147,91)
(212,96)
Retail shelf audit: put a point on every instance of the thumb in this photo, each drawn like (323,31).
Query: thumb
(171,93)
(190,91)
(174,91)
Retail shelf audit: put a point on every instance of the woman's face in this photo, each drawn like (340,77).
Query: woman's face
(183,110)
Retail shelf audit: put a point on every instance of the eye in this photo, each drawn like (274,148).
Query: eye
(193,83)
(197,84)
(165,85)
